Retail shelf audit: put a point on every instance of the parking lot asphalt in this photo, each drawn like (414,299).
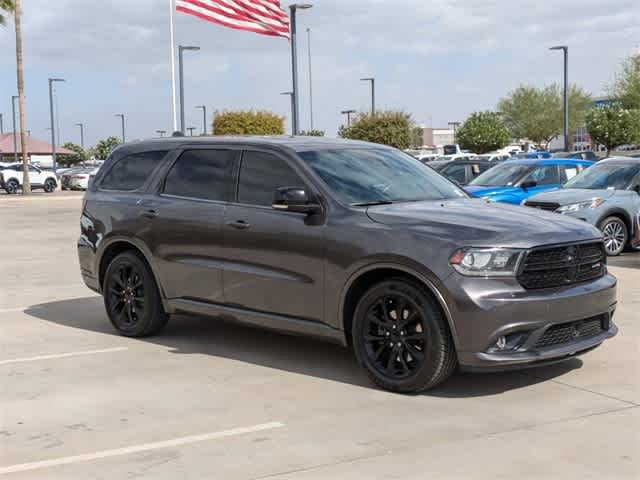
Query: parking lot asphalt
(209,400)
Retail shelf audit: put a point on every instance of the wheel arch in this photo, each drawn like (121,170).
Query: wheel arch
(117,245)
(622,215)
(366,277)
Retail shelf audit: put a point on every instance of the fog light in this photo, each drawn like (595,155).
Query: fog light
(501,343)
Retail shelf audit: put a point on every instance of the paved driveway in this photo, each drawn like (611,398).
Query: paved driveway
(207,400)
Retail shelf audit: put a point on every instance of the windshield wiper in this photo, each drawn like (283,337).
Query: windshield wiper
(372,203)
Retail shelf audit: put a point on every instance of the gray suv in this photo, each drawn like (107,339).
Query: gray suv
(352,242)
(606,195)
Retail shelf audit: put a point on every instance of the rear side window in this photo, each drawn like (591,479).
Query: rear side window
(129,173)
(457,172)
(544,175)
(200,174)
(260,175)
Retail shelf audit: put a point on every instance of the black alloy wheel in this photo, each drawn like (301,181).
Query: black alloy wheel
(401,337)
(131,297)
(49,185)
(11,186)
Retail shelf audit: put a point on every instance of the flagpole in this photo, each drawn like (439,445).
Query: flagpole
(173,67)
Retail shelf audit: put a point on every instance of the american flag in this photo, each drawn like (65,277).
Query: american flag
(260,16)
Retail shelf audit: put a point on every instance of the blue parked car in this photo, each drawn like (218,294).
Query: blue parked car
(514,181)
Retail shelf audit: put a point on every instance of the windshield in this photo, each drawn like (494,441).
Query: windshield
(605,176)
(360,176)
(502,175)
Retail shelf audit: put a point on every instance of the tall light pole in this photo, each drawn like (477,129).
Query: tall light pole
(161,132)
(565,50)
(348,114)
(124,136)
(15,133)
(181,50)
(310,77)
(373,93)
(53,122)
(295,97)
(191,129)
(81,125)
(1,125)
(293,108)
(204,118)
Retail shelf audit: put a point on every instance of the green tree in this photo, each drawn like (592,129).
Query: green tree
(536,114)
(613,125)
(104,147)
(391,128)
(248,122)
(626,88)
(79,157)
(313,133)
(5,6)
(483,132)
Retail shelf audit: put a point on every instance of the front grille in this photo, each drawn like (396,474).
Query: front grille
(565,265)
(551,207)
(573,331)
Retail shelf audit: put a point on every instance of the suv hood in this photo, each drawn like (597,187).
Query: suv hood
(567,196)
(472,222)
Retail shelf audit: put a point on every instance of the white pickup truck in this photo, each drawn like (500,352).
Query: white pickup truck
(11,177)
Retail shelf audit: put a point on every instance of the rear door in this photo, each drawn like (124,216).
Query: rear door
(546,176)
(273,258)
(183,223)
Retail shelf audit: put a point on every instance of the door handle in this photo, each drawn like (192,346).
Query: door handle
(239,224)
(150,213)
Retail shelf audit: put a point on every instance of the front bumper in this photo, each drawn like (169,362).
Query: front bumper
(483,310)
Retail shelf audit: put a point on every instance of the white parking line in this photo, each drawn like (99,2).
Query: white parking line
(144,447)
(62,355)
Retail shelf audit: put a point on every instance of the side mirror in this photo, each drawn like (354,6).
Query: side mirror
(528,184)
(636,189)
(294,199)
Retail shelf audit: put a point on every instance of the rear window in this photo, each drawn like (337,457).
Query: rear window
(129,173)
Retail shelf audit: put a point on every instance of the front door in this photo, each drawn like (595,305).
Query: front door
(183,224)
(273,259)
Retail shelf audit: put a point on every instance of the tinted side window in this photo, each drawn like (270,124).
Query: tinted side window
(260,175)
(200,174)
(456,172)
(129,173)
(544,175)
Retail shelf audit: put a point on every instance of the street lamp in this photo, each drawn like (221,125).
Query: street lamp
(204,118)
(455,126)
(15,134)
(295,117)
(161,132)
(53,128)
(1,125)
(191,129)
(565,50)
(310,77)
(348,114)
(181,49)
(293,109)
(121,116)
(81,125)
(373,93)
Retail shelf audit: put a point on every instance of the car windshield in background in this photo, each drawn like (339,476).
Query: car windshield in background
(505,174)
(605,176)
(365,176)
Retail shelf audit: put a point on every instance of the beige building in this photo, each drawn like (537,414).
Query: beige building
(434,137)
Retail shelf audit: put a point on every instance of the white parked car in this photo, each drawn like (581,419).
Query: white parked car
(80,180)
(11,178)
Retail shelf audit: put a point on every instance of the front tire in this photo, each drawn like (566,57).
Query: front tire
(616,235)
(132,298)
(401,338)
(49,185)
(11,186)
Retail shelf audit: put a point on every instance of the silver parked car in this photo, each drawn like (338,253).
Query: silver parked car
(606,195)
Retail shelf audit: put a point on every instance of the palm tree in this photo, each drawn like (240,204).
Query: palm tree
(7,6)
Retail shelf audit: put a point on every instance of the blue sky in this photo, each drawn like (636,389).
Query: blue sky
(437,59)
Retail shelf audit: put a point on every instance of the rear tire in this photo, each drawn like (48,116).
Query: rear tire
(401,338)
(616,235)
(11,186)
(49,185)
(132,298)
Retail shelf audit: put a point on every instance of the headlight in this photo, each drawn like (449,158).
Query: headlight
(576,207)
(486,262)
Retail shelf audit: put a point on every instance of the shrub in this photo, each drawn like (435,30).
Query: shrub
(483,132)
(612,126)
(391,128)
(312,133)
(247,122)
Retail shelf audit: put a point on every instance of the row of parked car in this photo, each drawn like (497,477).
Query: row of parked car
(606,194)
(76,178)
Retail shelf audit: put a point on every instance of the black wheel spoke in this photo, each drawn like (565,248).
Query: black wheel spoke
(403,362)
(379,351)
(391,361)
(414,352)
